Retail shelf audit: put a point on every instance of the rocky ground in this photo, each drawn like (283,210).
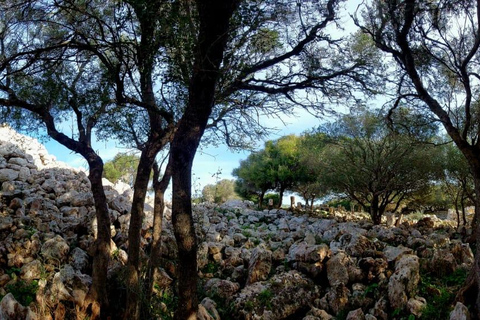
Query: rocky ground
(270,264)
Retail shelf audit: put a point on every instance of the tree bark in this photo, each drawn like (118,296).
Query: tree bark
(214,17)
(260,199)
(96,302)
(159,187)
(280,195)
(374,211)
(134,289)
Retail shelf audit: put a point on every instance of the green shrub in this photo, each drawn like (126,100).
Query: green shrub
(24,292)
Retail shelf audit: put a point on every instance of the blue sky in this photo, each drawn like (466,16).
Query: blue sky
(208,160)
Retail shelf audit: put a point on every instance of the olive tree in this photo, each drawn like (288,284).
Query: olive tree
(374,165)
(434,47)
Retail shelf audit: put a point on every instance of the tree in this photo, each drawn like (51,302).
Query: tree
(458,180)
(123,167)
(311,161)
(435,49)
(374,165)
(232,61)
(284,160)
(220,192)
(255,176)
(41,81)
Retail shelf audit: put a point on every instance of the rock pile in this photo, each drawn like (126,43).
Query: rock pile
(253,264)
(47,226)
(279,266)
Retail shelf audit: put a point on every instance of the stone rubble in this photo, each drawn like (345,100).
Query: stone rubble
(269,264)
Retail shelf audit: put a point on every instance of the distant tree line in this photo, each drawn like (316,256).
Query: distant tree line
(372,160)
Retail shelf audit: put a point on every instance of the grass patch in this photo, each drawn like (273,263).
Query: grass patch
(265,298)
(440,293)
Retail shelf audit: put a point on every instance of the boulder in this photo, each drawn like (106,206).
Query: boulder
(337,271)
(403,283)
(8,174)
(11,309)
(278,298)
(32,271)
(416,306)
(223,288)
(460,312)
(356,314)
(55,250)
(259,265)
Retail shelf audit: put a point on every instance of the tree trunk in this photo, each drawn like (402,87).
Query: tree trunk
(470,293)
(260,199)
(159,187)
(214,17)
(375,212)
(280,195)
(134,288)
(96,303)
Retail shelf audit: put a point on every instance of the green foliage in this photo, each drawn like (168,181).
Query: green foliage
(24,292)
(346,203)
(211,267)
(265,298)
(122,167)
(440,293)
(164,304)
(220,192)
(274,196)
(374,165)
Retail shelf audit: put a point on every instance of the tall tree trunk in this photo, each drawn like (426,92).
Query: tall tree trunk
(134,289)
(214,20)
(375,212)
(470,293)
(96,302)
(159,187)
(260,199)
(280,195)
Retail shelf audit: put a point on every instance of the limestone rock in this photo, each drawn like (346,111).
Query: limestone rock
(55,250)
(337,272)
(32,271)
(11,309)
(223,288)
(460,312)
(259,265)
(403,283)
(356,314)
(416,305)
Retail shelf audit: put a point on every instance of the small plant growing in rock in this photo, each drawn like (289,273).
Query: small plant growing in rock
(24,292)
(265,298)
(211,267)
(371,289)
(164,304)
(247,233)
(249,306)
